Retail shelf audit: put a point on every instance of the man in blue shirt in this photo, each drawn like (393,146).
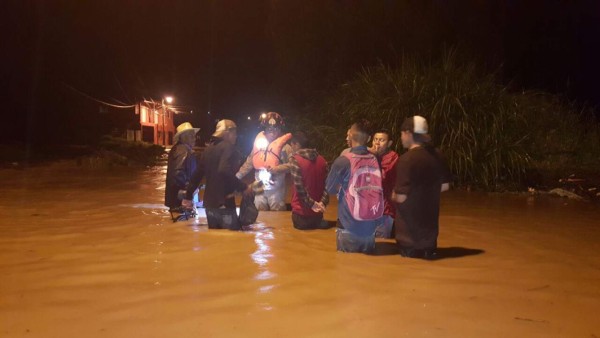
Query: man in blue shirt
(351,235)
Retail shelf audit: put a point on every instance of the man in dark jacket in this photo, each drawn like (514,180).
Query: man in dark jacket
(309,171)
(422,175)
(180,166)
(219,163)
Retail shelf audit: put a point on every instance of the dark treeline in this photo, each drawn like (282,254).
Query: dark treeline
(236,58)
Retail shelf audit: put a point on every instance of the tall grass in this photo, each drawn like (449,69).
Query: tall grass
(490,135)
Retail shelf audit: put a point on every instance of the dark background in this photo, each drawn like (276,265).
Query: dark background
(238,58)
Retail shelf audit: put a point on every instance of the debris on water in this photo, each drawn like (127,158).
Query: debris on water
(565,193)
(532,320)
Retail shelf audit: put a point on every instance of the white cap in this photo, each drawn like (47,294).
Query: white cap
(223,126)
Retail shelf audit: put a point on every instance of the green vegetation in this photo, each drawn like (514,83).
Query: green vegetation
(109,152)
(118,151)
(494,138)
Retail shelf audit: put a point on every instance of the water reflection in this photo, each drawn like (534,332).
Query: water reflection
(263,236)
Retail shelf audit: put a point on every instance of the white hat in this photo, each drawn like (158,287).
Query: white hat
(223,126)
(185,127)
(417,125)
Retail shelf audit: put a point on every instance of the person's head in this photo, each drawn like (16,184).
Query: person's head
(226,130)
(359,133)
(414,131)
(185,134)
(382,141)
(299,141)
(272,124)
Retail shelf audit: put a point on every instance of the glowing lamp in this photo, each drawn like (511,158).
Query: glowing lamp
(262,143)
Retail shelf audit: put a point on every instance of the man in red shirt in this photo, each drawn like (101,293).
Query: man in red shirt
(309,171)
(387,160)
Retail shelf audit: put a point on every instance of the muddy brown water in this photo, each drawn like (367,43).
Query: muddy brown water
(92,253)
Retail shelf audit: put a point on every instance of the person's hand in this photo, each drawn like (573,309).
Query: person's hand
(276,170)
(398,198)
(248,192)
(318,207)
(187,204)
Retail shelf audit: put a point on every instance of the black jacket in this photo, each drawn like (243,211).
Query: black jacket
(180,166)
(219,163)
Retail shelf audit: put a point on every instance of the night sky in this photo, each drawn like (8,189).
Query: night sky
(238,58)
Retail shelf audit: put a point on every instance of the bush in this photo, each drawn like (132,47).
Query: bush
(490,135)
(119,151)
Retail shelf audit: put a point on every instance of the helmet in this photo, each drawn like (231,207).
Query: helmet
(271,119)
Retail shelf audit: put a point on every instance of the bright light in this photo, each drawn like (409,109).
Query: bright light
(262,143)
(264,175)
(263,115)
(249,118)
(169,99)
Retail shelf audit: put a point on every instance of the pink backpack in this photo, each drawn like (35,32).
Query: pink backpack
(365,192)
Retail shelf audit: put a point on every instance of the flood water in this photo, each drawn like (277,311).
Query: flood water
(93,253)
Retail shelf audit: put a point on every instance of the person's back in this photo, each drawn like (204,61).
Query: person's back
(181,163)
(353,234)
(314,171)
(421,177)
(220,164)
(309,198)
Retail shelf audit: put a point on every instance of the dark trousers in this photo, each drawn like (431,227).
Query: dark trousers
(222,218)
(307,222)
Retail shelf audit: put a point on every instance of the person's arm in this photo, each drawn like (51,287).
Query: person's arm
(334,180)
(195,180)
(226,169)
(285,158)
(402,188)
(446,175)
(179,166)
(325,196)
(245,168)
(297,179)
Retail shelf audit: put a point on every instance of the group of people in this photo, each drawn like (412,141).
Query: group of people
(379,193)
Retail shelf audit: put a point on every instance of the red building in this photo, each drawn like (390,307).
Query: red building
(155,123)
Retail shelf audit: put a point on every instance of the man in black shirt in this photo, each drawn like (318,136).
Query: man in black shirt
(422,175)
(219,163)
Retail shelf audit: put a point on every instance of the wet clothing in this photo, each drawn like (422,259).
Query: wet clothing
(218,164)
(181,164)
(274,196)
(346,241)
(420,174)
(388,162)
(337,183)
(386,228)
(309,222)
(309,171)
(222,218)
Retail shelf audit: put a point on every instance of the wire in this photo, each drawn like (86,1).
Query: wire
(95,99)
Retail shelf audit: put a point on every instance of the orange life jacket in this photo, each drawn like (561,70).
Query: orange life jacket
(265,154)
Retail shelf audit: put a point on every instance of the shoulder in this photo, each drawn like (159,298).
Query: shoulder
(341,161)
